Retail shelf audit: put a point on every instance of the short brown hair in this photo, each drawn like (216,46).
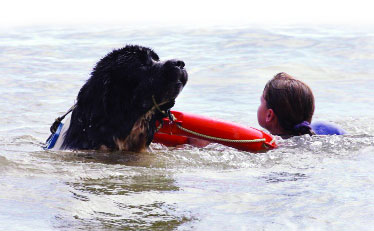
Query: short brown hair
(292,102)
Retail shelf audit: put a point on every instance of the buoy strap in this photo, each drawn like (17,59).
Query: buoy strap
(220,139)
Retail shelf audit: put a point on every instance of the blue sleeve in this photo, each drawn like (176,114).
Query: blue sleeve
(325,128)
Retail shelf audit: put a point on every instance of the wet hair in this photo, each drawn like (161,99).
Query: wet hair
(292,102)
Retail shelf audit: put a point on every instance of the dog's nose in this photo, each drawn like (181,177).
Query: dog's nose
(180,63)
(176,69)
(177,63)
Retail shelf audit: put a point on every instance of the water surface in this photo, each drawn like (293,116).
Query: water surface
(308,183)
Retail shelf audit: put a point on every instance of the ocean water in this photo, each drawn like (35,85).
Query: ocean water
(308,183)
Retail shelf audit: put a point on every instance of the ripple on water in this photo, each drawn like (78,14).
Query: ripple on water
(320,182)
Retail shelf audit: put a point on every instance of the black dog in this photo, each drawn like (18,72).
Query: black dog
(115,109)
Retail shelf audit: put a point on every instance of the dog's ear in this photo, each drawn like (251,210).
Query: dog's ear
(152,54)
(117,95)
(146,55)
(107,100)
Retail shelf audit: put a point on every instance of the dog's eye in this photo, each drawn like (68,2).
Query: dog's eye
(155,57)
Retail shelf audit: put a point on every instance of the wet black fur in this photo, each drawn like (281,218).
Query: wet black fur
(118,93)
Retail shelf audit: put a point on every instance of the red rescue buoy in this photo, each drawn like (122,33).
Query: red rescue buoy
(183,125)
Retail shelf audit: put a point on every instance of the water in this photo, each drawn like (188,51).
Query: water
(308,183)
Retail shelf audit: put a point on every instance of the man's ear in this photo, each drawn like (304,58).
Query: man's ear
(270,115)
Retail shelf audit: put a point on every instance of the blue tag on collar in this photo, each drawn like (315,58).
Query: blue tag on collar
(52,140)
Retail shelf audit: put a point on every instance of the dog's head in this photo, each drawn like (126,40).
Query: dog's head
(131,76)
(118,100)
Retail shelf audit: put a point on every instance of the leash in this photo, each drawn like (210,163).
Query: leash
(57,122)
(173,120)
